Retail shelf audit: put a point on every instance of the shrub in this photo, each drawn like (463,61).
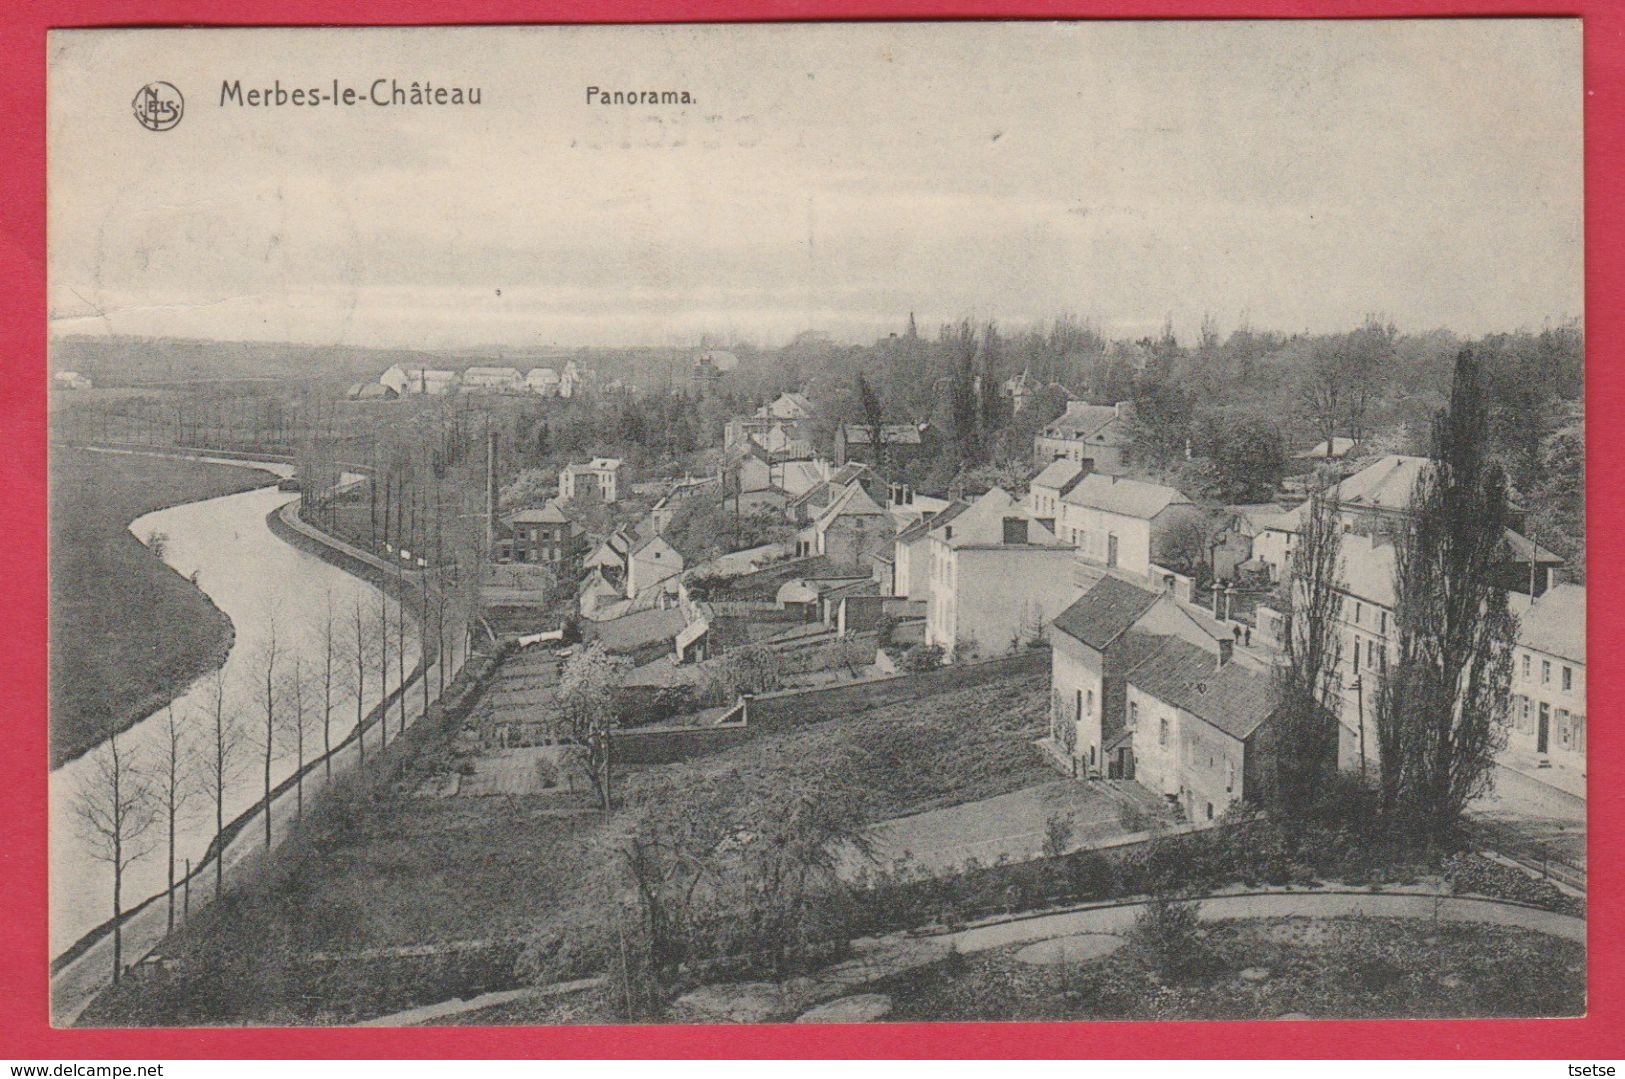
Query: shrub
(1166,931)
(923,657)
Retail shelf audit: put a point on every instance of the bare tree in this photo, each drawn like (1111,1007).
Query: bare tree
(222,757)
(330,656)
(175,787)
(297,700)
(1321,393)
(115,811)
(268,689)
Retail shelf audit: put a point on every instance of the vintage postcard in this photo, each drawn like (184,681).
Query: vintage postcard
(817,522)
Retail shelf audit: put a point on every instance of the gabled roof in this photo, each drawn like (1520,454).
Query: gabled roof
(650,542)
(1231,699)
(1124,497)
(1105,612)
(982,524)
(1340,447)
(550,514)
(1060,474)
(853,501)
(1082,420)
(926,524)
(1555,623)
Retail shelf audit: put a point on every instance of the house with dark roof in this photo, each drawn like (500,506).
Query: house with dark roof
(1094,644)
(546,535)
(1054,482)
(1093,436)
(1202,730)
(898,443)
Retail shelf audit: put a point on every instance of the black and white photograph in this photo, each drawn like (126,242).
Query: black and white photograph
(872,522)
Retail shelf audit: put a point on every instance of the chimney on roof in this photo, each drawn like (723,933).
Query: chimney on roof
(1227,649)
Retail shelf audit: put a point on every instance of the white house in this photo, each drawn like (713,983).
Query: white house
(1046,490)
(543,381)
(430,381)
(911,552)
(993,578)
(599,478)
(1116,522)
(1549,678)
(492,380)
(1094,643)
(71,380)
(650,562)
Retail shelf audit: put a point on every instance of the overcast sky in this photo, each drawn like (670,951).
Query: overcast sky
(1296,176)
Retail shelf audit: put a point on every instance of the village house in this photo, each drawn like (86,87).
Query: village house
(70,380)
(649,563)
(542,381)
(1046,490)
(370,391)
(546,535)
(429,381)
(1117,522)
(1095,436)
(599,593)
(753,467)
(780,425)
(993,578)
(1549,678)
(1376,501)
(598,479)
(911,552)
(849,530)
(900,444)
(1204,729)
(1094,644)
(492,380)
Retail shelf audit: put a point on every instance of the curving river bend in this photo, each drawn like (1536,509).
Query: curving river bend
(258,581)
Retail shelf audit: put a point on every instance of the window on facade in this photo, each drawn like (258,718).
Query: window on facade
(1089,700)
(1133,715)
(1545,672)
(1568,678)
(1162,731)
(1357,609)
(1526,666)
(1229,776)
(1382,621)
(1356,655)
(1371,653)
(1210,811)
(1078,704)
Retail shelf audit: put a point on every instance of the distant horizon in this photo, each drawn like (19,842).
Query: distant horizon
(927,330)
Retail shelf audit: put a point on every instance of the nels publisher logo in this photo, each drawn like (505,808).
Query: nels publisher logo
(158,106)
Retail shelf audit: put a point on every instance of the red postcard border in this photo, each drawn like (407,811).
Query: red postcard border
(24,1028)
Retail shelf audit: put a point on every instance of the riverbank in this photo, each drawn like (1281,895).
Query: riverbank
(128,633)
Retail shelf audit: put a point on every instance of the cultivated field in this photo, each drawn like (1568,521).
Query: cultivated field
(127,632)
(385,863)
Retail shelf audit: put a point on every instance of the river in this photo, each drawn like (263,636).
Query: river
(260,582)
